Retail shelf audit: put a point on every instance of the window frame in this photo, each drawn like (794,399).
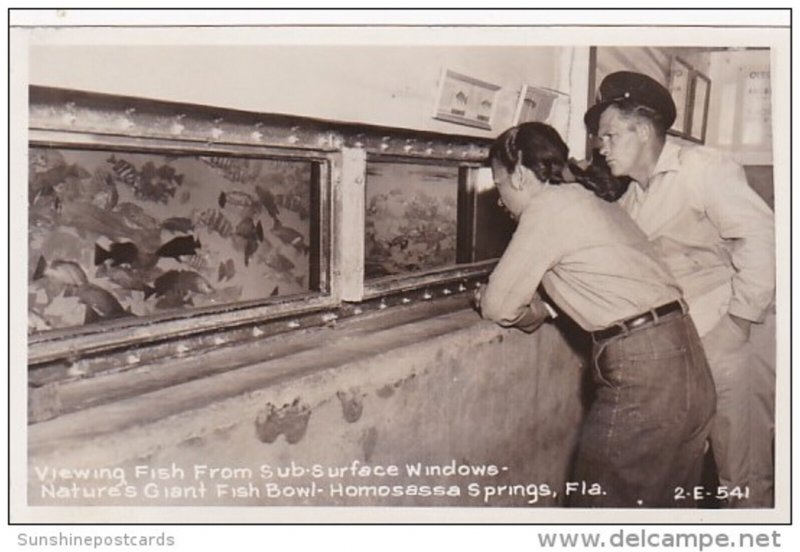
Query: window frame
(60,118)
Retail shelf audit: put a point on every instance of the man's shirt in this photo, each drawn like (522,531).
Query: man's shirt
(592,259)
(711,229)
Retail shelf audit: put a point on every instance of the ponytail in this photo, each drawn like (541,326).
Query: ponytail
(598,179)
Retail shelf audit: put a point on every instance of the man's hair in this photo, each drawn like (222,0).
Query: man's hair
(540,148)
(634,110)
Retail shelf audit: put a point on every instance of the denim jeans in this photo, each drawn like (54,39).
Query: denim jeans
(644,436)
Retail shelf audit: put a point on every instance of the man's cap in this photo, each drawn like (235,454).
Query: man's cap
(633,88)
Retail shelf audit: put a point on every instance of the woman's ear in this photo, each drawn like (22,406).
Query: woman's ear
(518,177)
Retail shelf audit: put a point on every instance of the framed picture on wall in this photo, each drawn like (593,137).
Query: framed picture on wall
(679,86)
(466,100)
(534,104)
(700,95)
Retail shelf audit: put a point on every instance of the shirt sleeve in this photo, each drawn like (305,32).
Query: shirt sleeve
(742,217)
(512,285)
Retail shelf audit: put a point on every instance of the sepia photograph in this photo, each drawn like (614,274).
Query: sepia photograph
(276,273)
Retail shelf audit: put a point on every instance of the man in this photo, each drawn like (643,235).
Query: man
(717,237)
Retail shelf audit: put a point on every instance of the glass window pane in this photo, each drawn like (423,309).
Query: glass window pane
(411,218)
(493,225)
(116,234)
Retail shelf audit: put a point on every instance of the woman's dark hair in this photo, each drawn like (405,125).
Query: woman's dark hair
(540,148)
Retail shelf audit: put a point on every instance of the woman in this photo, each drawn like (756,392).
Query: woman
(644,434)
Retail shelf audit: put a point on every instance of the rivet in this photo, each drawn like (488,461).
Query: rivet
(462,287)
(329,317)
(258,332)
(357,310)
(446,291)
(132,359)
(219,340)
(293,324)
(427,296)
(406,300)
(382,305)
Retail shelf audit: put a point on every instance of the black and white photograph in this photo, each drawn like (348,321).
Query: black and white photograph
(283,273)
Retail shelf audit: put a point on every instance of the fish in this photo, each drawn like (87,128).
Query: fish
(235,170)
(226,270)
(252,233)
(135,214)
(178,282)
(125,171)
(127,279)
(279,262)
(290,236)
(268,201)
(293,202)
(119,253)
(239,199)
(275,292)
(214,220)
(61,271)
(44,183)
(177,247)
(100,303)
(401,241)
(166,173)
(178,224)
(199,261)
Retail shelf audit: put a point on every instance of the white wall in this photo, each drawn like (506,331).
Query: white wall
(385,84)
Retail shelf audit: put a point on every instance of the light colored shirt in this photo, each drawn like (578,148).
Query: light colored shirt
(592,259)
(711,229)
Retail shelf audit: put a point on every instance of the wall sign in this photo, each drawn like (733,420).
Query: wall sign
(466,100)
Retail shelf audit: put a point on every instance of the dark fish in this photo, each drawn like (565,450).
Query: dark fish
(401,241)
(239,199)
(178,224)
(119,253)
(226,270)
(102,304)
(290,236)
(64,272)
(125,171)
(168,173)
(178,282)
(274,292)
(268,200)
(177,247)
(253,234)
(279,262)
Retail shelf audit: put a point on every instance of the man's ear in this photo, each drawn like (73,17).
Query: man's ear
(644,131)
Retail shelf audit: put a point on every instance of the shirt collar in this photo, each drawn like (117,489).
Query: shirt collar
(669,160)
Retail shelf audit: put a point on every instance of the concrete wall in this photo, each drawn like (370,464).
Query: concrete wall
(445,390)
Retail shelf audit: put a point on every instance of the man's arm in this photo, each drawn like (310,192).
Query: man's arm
(742,217)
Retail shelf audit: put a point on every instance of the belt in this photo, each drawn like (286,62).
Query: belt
(637,321)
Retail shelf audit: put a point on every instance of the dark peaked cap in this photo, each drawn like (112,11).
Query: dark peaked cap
(632,88)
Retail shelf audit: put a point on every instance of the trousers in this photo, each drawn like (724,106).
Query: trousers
(743,432)
(643,438)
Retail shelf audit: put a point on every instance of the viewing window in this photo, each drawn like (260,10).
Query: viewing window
(116,234)
(411,218)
